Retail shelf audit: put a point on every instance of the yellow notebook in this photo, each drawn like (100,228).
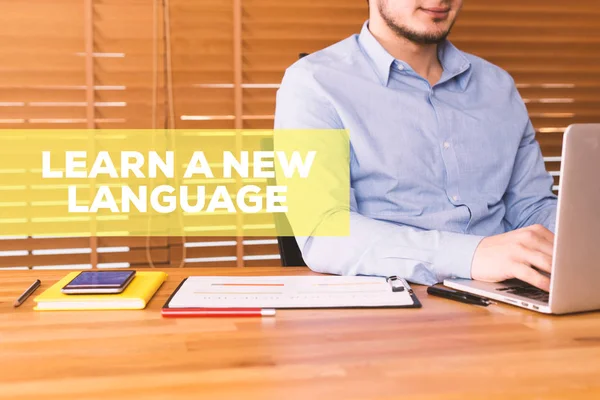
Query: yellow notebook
(134,297)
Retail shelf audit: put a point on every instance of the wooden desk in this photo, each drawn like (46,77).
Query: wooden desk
(445,350)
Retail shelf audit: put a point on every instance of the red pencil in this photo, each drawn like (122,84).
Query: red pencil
(217,312)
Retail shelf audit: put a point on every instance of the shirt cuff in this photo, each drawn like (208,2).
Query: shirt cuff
(455,255)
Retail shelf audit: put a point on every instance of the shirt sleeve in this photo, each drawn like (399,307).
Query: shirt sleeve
(529,199)
(373,247)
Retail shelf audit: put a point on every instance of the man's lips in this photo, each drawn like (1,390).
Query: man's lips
(436,12)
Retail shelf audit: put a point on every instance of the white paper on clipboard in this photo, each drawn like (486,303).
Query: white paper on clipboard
(289,292)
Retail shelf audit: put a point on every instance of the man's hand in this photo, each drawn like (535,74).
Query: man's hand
(513,255)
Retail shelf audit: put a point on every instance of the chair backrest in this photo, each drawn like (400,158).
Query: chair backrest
(553,167)
(290,253)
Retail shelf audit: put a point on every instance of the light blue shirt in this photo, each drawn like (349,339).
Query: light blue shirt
(433,169)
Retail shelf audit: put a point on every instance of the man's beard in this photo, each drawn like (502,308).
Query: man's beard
(413,36)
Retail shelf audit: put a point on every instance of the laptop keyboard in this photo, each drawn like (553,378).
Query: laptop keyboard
(526,290)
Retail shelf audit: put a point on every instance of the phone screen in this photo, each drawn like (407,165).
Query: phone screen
(100,279)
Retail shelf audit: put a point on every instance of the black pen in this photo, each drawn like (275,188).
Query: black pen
(458,296)
(27,293)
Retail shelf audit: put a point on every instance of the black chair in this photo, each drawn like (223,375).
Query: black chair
(290,253)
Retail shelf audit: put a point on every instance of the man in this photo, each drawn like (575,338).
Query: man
(447,179)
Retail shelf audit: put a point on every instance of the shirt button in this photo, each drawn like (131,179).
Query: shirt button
(400,67)
(446,145)
(455,198)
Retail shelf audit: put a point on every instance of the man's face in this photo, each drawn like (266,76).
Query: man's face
(420,21)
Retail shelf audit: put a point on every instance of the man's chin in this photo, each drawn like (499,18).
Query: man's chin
(428,38)
(433,31)
(430,34)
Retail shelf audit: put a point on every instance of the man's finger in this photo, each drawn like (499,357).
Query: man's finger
(537,259)
(539,244)
(543,232)
(531,276)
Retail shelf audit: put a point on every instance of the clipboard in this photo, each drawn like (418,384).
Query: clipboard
(292,292)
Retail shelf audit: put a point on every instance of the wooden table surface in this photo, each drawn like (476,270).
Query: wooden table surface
(445,350)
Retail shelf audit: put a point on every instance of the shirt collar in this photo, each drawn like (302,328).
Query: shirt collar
(380,59)
(454,62)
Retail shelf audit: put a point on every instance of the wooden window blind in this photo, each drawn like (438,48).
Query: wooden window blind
(202,47)
(44,84)
(227,58)
(552,50)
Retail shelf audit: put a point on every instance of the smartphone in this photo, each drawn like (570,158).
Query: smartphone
(99,282)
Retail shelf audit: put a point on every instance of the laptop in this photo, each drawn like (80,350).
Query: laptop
(576,260)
